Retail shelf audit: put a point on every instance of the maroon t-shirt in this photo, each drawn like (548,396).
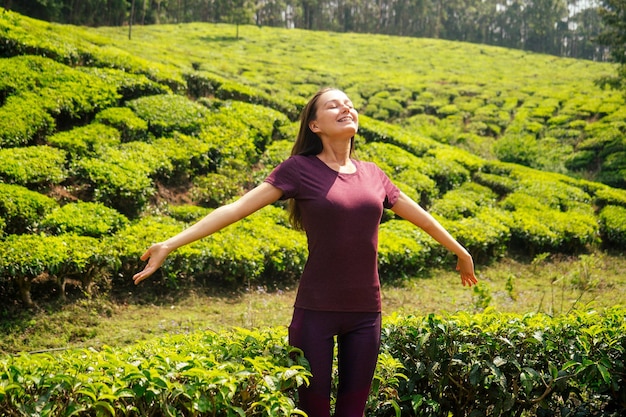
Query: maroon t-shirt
(340,214)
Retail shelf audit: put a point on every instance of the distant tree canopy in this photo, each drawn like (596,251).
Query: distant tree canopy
(558,27)
(613,15)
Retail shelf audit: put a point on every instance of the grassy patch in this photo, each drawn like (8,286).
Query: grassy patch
(549,284)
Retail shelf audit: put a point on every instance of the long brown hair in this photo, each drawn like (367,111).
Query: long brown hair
(308,143)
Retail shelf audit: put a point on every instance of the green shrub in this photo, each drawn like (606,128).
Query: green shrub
(503,364)
(119,183)
(465,201)
(613,225)
(59,258)
(518,149)
(259,248)
(542,229)
(375,131)
(84,219)
(214,190)
(32,166)
(24,120)
(22,209)
(606,195)
(167,113)
(404,250)
(235,373)
(283,103)
(189,155)
(89,140)
(187,213)
(202,84)
(129,86)
(501,185)
(231,141)
(613,170)
(402,167)
(264,123)
(123,119)
(486,234)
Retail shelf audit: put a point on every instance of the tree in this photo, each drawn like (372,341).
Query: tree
(613,15)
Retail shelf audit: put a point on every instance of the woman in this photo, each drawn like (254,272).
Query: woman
(338,202)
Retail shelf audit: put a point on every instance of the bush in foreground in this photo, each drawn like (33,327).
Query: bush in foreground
(468,365)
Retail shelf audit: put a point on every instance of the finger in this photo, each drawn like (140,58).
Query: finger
(146,254)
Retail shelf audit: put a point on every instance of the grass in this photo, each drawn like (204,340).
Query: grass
(548,284)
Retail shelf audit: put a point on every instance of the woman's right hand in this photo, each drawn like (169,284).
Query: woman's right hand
(155,256)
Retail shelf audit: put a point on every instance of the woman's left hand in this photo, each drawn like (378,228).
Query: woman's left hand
(466,267)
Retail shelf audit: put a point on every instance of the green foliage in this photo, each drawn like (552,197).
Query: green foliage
(215,189)
(517,149)
(84,219)
(117,182)
(259,249)
(27,257)
(187,213)
(232,373)
(613,225)
(167,113)
(501,364)
(375,131)
(488,363)
(32,166)
(123,119)
(88,140)
(404,250)
(129,85)
(22,209)
(24,120)
(402,167)
(486,234)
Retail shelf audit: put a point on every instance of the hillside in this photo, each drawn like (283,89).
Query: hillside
(108,144)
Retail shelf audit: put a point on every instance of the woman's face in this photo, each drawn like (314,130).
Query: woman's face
(335,116)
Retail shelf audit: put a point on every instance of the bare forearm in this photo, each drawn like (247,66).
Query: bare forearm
(411,211)
(213,222)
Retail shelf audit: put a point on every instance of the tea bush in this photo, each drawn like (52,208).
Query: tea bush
(131,127)
(504,364)
(129,86)
(403,251)
(465,364)
(88,140)
(376,131)
(215,189)
(613,226)
(59,258)
(84,219)
(33,166)
(240,372)
(23,209)
(169,113)
(24,121)
(118,183)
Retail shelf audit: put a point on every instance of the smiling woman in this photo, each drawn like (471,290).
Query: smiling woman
(338,201)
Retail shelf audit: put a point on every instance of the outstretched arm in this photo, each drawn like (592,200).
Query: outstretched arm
(409,210)
(255,199)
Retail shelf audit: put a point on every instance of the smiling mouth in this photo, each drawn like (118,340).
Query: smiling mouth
(344,119)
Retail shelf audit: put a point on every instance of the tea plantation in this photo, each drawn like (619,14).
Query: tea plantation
(109,144)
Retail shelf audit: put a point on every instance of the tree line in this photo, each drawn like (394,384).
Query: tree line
(567,28)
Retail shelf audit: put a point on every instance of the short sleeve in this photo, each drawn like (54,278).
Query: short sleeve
(392,192)
(286,177)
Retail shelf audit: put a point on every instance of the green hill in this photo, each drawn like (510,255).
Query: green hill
(108,144)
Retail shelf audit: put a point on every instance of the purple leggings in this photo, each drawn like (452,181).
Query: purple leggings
(358,343)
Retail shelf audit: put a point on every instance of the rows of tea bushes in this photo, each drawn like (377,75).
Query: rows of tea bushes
(103,153)
(467,365)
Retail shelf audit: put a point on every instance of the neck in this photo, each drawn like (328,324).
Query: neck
(337,158)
